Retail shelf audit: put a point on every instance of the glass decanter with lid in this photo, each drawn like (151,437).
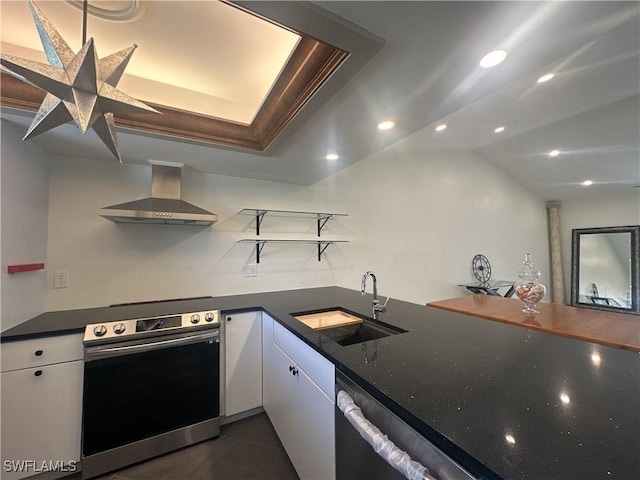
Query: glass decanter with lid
(529,289)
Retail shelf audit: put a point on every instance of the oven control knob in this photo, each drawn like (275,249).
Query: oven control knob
(119,328)
(195,318)
(99,330)
(208,317)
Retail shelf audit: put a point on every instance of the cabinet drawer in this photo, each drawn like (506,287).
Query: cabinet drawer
(42,416)
(318,369)
(41,351)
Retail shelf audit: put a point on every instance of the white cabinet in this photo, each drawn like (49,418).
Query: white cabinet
(280,399)
(243,362)
(298,397)
(41,351)
(41,406)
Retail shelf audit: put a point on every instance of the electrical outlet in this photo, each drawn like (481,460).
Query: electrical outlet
(61,279)
(251,270)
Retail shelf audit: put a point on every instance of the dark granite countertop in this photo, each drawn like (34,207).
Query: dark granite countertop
(503,400)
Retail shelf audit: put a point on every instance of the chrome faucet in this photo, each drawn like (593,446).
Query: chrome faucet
(375,303)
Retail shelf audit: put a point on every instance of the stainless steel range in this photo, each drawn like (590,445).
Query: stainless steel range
(151,385)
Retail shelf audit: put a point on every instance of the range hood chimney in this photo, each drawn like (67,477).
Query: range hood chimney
(165,206)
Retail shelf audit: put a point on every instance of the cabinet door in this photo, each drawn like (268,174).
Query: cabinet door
(268,371)
(41,416)
(280,400)
(278,388)
(316,427)
(243,362)
(320,370)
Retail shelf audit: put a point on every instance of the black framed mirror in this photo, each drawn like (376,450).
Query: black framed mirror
(605,268)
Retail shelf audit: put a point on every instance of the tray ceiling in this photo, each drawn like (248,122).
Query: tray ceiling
(415,63)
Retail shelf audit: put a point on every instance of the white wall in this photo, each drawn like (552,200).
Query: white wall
(24,205)
(112,263)
(416,218)
(610,211)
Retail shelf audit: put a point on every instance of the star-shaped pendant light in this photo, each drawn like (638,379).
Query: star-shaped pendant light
(79,86)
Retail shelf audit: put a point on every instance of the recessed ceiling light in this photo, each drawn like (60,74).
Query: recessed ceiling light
(554,153)
(332,156)
(499,130)
(386,125)
(441,127)
(546,77)
(586,183)
(493,58)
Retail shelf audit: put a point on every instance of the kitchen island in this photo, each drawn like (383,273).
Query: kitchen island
(503,401)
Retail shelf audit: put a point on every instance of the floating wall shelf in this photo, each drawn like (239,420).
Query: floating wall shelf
(25,267)
(321,217)
(260,243)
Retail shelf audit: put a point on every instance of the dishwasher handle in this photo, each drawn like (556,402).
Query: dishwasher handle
(394,456)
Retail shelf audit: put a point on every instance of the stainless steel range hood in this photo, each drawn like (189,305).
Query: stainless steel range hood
(165,206)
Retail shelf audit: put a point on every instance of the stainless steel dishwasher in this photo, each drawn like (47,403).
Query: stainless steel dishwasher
(373,443)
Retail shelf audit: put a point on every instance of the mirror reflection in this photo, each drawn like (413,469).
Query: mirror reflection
(605,268)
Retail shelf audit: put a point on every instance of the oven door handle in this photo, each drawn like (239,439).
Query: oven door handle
(99,352)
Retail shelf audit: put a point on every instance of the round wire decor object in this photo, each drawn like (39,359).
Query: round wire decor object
(481,268)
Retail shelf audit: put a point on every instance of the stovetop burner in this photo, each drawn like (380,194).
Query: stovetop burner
(149,302)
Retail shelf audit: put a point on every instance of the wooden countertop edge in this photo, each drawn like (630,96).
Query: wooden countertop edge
(564,333)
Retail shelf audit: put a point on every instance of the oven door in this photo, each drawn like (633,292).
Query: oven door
(143,398)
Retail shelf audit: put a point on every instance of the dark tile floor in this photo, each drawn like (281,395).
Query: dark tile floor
(247,449)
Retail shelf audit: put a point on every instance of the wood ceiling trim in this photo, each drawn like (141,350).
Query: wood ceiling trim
(309,66)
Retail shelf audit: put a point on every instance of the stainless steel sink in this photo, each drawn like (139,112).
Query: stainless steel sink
(362,330)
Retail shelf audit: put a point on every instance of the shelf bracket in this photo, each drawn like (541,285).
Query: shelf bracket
(259,246)
(259,217)
(322,222)
(322,246)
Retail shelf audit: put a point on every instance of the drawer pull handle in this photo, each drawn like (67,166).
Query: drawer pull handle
(37,373)
(39,353)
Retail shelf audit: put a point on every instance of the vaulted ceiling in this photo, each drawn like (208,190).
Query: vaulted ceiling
(339,68)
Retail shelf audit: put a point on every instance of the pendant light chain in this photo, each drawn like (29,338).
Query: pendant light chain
(85,7)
